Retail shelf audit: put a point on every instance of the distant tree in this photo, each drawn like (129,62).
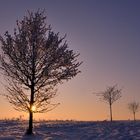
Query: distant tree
(109,96)
(134,108)
(34,60)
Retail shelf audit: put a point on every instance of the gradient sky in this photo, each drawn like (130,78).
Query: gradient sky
(107,35)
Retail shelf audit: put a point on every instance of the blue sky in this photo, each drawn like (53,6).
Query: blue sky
(107,35)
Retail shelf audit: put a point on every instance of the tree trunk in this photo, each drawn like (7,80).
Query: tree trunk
(110,113)
(30,129)
(134,116)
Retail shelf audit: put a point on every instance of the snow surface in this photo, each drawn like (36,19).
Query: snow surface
(71,130)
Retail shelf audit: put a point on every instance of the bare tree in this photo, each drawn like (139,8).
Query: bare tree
(34,60)
(134,107)
(109,96)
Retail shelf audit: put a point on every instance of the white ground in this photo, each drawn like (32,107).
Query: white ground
(71,130)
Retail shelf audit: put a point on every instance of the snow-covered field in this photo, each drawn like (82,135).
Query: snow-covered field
(71,130)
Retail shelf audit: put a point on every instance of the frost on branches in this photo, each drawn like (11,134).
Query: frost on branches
(35,60)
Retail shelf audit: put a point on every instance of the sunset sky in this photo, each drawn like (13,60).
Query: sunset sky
(106,33)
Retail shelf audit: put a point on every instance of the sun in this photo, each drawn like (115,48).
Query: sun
(33,108)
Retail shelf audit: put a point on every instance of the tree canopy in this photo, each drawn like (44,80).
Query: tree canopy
(34,60)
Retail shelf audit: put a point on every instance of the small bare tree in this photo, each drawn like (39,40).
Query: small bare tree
(109,96)
(34,60)
(134,107)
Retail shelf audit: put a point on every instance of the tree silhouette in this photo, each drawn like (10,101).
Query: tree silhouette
(109,96)
(134,107)
(34,60)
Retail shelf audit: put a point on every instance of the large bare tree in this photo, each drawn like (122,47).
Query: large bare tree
(109,96)
(134,108)
(34,60)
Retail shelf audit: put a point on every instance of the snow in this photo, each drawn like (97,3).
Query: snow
(71,130)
